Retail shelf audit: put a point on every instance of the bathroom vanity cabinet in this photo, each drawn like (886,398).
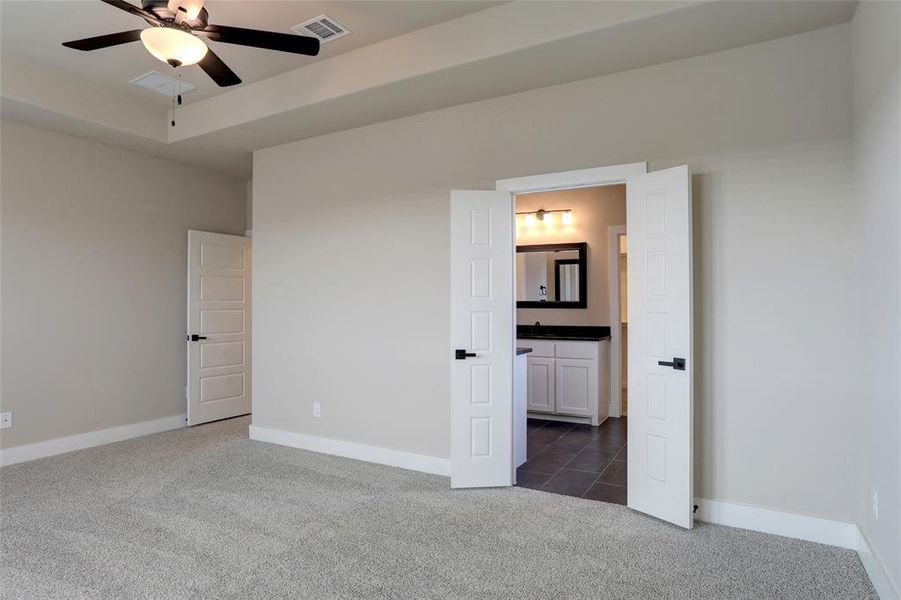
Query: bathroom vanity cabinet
(568,380)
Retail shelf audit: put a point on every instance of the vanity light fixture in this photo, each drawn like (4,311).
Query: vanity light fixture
(547,216)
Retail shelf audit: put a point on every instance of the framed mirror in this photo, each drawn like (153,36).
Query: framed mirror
(552,276)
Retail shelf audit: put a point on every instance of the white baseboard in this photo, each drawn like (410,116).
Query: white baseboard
(71,443)
(802,527)
(793,525)
(374,454)
(876,570)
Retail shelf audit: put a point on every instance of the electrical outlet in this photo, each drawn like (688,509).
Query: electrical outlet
(875,504)
(6,420)
(315,409)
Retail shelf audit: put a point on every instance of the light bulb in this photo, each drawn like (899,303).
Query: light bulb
(173,45)
(530,220)
(568,217)
(548,219)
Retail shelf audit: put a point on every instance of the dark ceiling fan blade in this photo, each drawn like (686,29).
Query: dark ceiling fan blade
(105,41)
(131,8)
(283,42)
(218,70)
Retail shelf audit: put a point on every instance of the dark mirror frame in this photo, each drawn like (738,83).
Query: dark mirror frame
(582,247)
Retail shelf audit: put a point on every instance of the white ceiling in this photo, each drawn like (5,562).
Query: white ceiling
(33,31)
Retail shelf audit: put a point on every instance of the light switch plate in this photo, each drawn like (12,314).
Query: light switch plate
(6,420)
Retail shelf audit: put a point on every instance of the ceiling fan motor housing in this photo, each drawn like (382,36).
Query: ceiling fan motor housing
(160,8)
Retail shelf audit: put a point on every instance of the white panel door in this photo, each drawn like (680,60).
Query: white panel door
(660,474)
(540,390)
(577,386)
(218,326)
(482,339)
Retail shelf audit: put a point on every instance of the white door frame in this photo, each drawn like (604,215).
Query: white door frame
(616,329)
(583,178)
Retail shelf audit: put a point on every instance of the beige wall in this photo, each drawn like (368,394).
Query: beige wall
(766,130)
(876,51)
(594,209)
(93,281)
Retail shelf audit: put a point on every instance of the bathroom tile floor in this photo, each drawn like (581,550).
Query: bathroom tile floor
(576,460)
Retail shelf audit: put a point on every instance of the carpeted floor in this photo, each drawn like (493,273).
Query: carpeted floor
(206,513)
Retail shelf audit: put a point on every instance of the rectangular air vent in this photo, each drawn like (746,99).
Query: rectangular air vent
(162,84)
(323,27)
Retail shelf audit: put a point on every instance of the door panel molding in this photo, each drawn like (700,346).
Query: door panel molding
(482,339)
(219,294)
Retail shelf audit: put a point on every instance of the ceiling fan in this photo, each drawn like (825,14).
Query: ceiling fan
(176,27)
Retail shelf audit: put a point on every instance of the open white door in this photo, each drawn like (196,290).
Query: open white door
(660,475)
(482,340)
(218,326)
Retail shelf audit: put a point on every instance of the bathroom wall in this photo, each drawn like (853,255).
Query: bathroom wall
(593,211)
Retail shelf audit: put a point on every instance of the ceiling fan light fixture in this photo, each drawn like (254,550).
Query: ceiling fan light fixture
(173,45)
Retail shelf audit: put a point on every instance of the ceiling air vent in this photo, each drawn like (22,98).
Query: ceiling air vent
(162,84)
(323,27)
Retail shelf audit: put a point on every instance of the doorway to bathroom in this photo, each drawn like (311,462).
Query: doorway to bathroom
(483,335)
(567,315)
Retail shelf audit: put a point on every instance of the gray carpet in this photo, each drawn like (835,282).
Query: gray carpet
(206,513)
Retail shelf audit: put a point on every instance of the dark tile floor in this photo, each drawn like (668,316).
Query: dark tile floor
(576,460)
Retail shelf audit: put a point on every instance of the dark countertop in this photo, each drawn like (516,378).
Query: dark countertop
(578,338)
(590,333)
(522,351)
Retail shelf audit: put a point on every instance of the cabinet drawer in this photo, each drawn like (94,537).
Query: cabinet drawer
(539,347)
(587,350)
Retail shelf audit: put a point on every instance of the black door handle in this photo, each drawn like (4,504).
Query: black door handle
(678,364)
(461,354)
(196,338)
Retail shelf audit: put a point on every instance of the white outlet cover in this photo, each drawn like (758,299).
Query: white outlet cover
(316,410)
(6,420)
(875,505)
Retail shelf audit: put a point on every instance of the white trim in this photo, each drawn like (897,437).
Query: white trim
(801,527)
(571,179)
(374,454)
(876,570)
(71,443)
(616,328)
(792,525)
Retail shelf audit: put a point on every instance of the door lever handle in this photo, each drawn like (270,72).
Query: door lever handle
(461,354)
(195,338)
(678,364)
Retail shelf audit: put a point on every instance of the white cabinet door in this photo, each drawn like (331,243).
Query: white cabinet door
(577,386)
(541,384)
(482,327)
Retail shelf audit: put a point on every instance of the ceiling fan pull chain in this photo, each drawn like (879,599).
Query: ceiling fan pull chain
(173,108)
(176,96)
